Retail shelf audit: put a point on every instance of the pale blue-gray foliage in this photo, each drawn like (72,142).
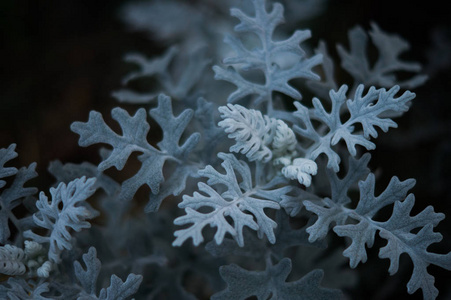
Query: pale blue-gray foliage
(21,289)
(67,209)
(328,82)
(134,139)
(280,61)
(241,195)
(213,136)
(118,289)
(178,22)
(356,61)
(165,20)
(271,284)
(367,110)
(5,156)
(178,85)
(329,209)
(397,230)
(256,214)
(252,131)
(383,72)
(69,171)
(12,196)
(258,249)
(88,278)
(12,260)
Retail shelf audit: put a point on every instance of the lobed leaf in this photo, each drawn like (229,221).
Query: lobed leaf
(383,72)
(240,196)
(280,61)
(398,230)
(271,284)
(134,139)
(13,196)
(66,209)
(367,110)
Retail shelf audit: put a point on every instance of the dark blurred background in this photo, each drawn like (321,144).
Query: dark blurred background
(61,59)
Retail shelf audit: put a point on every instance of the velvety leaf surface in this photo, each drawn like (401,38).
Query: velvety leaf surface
(271,284)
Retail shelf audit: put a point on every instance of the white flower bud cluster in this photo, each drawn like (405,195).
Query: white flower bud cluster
(302,169)
(263,138)
(37,259)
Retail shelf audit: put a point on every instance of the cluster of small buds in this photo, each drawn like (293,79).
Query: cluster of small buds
(45,269)
(302,169)
(284,150)
(37,259)
(263,138)
(16,261)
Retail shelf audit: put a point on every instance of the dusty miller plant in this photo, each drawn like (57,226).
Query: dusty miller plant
(232,171)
